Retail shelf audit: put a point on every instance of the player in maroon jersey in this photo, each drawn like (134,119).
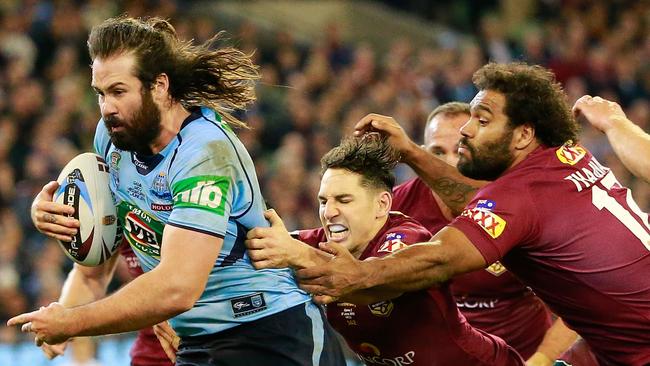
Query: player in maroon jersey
(85,284)
(492,300)
(555,216)
(421,327)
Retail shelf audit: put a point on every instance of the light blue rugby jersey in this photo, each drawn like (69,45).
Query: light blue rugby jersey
(204,180)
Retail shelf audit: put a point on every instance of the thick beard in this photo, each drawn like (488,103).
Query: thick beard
(490,161)
(141,132)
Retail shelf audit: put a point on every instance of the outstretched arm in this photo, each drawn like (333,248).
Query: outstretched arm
(416,267)
(453,188)
(558,338)
(630,143)
(169,289)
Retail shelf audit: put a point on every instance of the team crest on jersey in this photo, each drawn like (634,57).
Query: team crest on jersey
(160,188)
(487,220)
(382,308)
(570,153)
(393,243)
(115,167)
(496,268)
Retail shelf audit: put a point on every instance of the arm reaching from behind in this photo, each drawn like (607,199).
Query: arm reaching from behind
(630,143)
(453,188)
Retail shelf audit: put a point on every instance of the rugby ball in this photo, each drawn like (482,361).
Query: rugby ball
(84,185)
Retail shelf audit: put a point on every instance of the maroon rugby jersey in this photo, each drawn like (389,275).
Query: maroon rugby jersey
(561,222)
(423,327)
(492,299)
(146,350)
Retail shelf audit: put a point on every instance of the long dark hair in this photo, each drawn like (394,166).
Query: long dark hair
(222,78)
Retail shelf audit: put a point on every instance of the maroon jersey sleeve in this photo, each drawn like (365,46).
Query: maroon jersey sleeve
(499,218)
(312,236)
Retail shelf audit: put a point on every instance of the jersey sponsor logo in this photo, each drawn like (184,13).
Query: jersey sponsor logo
(371,355)
(382,308)
(496,268)
(488,221)
(246,305)
(587,176)
(142,231)
(161,206)
(160,187)
(393,243)
(570,153)
(206,192)
(475,304)
(135,190)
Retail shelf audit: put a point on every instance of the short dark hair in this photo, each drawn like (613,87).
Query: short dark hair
(222,78)
(369,156)
(532,96)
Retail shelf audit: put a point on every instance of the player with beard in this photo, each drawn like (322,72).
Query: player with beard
(186,194)
(420,327)
(556,217)
(492,299)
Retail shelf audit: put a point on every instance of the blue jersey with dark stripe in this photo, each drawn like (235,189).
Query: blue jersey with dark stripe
(203,180)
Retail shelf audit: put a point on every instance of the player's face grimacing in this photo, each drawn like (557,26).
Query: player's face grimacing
(442,134)
(130,114)
(345,207)
(485,150)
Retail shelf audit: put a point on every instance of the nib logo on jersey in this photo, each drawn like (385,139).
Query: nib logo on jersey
(205,192)
(482,215)
(371,355)
(143,232)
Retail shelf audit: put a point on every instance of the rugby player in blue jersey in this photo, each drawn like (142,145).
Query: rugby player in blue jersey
(186,193)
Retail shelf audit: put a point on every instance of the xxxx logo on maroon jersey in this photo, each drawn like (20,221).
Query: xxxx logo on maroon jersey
(570,154)
(487,220)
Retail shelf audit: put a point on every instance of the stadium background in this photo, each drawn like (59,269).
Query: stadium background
(324,65)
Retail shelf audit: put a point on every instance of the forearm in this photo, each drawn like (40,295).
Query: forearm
(455,190)
(410,269)
(145,301)
(558,338)
(632,145)
(84,284)
(305,256)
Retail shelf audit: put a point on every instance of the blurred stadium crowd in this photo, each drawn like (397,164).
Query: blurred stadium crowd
(309,96)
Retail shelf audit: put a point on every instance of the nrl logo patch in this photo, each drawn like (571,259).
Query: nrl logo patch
(570,154)
(496,268)
(393,243)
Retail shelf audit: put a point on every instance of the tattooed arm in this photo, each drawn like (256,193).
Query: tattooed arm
(453,188)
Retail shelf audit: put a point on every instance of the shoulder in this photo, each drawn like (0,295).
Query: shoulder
(400,231)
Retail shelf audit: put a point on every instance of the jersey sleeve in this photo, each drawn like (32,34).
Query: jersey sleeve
(203,186)
(312,237)
(399,237)
(498,219)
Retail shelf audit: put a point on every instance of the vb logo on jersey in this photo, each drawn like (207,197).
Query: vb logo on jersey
(570,153)
(143,232)
(205,192)
(487,220)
